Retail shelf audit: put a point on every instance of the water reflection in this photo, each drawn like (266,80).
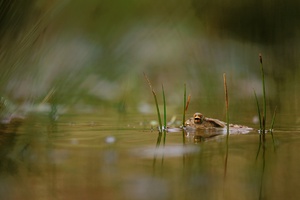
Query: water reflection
(145,187)
(168,152)
(7,143)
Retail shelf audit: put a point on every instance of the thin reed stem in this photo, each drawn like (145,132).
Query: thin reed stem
(272,125)
(165,115)
(158,141)
(158,113)
(188,103)
(264,118)
(258,110)
(273,119)
(226,103)
(185,106)
(156,104)
(227,123)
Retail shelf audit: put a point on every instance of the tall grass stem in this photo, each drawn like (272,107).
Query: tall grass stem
(273,119)
(258,110)
(156,103)
(264,118)
(272,125)
(183,114)
(227,123)
(226,104)
(165,115)
(184,104)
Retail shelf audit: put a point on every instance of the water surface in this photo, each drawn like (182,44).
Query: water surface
(89,156)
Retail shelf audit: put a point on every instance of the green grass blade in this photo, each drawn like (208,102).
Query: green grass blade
(183,114)
(156,103)
(273,119)
(184,105)
(158,141)
(264,118)
(165,115)
(158,112)
(272,125)
(258,111)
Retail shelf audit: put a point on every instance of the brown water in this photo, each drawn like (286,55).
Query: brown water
(87,156)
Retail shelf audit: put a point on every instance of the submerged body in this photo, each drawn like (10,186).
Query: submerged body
(199,123)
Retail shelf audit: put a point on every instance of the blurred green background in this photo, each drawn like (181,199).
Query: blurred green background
(94,53)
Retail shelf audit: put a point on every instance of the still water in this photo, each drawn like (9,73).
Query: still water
(90,156)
